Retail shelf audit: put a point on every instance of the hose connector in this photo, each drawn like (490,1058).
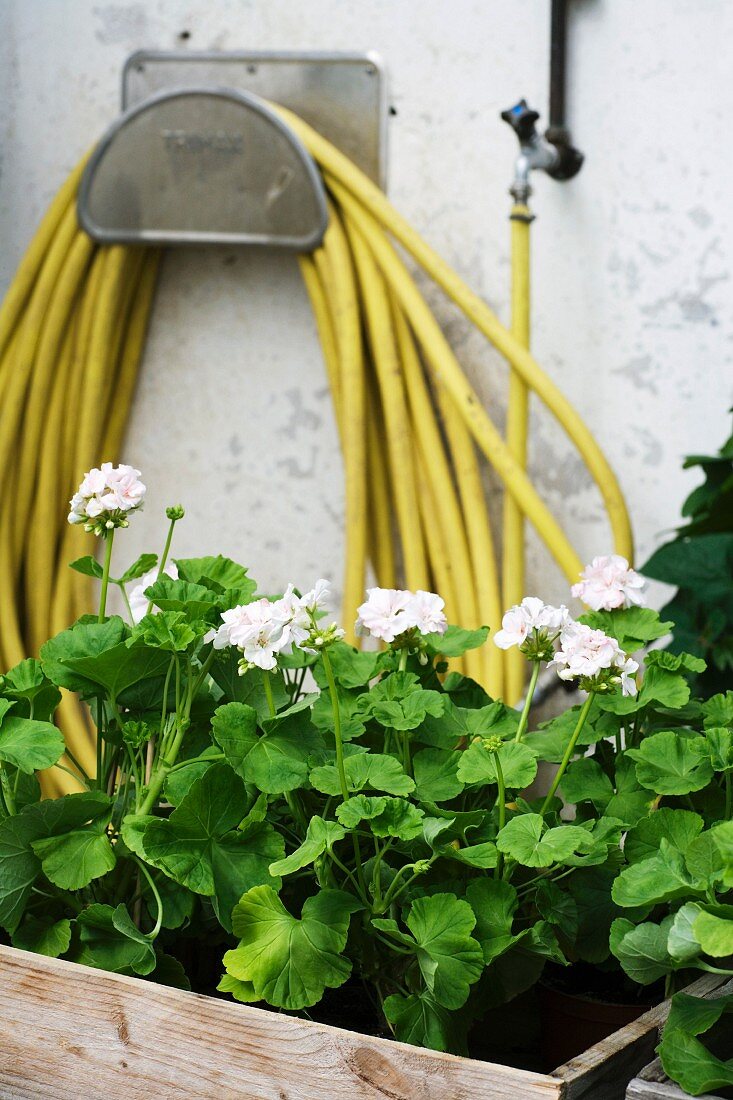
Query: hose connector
(556,156)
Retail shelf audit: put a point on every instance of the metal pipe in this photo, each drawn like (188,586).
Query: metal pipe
(558,52)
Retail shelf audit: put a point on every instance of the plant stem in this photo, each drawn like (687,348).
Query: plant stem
(522,727)
(268,693)
(501,800)
(158,924)
(164,558)
(108,541)
(406,762)
(328,669)
(568,753)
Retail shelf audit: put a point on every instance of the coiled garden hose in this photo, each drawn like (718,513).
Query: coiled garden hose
(412,429)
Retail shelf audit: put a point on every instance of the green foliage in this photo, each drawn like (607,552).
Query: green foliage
(699,562)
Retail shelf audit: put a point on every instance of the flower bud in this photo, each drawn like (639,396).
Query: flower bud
(175,512)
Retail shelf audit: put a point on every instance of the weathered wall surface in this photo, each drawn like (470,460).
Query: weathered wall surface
(632,299)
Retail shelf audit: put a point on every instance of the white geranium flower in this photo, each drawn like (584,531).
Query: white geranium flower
(384,614)
(609,583)
(595,659)
(138,600)
(105,498)
(425,612)
(530,615)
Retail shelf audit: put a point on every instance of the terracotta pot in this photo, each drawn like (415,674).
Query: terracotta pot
(572,1022)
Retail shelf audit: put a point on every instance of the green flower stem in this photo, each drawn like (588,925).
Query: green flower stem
(522,727)
(568,752)
(268,693)
(331,680)
(328,669)
(159,922)
(123,590)
(406,762)
(394,891)
(108,541)
(75,762)
(164,559)
(501,802)
(78,778)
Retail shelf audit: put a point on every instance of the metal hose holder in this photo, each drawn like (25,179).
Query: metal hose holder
(200,154)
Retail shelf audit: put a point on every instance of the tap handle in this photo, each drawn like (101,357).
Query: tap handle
(522,120)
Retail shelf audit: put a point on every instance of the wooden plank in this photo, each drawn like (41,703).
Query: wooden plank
(602,1071)
(69,1032)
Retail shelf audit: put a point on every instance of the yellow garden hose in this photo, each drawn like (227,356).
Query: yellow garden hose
(413,432)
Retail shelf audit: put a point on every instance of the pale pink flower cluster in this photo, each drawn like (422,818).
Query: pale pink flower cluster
(138,600)
(609,583)
(265,628)
(530,615)
(111,491)
(586,654)
(389,612)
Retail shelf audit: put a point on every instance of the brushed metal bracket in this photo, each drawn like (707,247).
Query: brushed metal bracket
(197,157)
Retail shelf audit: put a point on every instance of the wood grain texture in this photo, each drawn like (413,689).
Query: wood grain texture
(73,1033)
(602,1071)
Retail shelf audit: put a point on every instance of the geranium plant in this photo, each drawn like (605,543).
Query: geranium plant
(310,812)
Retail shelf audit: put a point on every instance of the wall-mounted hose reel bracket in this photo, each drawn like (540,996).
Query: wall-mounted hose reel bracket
(199,156)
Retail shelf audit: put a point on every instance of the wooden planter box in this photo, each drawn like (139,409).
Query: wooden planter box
(69,1032)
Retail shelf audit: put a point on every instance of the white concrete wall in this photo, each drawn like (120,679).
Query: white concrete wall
(632,299)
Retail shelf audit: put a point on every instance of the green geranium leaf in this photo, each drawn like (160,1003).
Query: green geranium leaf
(166,630)
(703,859)
(684,1058)
(351,668)
(552,738)
(180,781)
(718,710)
(450,959)
(361,807)
(399,819)
(630,802)
(558,907)
(632,627)
(457,724)
(656,879)
(73,860)
(723,837)
(678,827)
(518,764)
(681,942)
(30,745)
(200,846)
(289,961)
(25,680)
(83,641)
(249,688)
(669,763)
(720,747)
(398,702)
(585,781)
(320,837)
(713,930)
(642,949)
(674,662)
(139,568)
(527,839)
(455,641)
(482,855)
(352,720)
(241,991)
(88,566)
(44,936)
(370,770)
(275,762)
(194,600)
(494,903)
(418,1019)
(218,573)
(105,942)
(19,865)
(121,667)
(669,689)
(436,775)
